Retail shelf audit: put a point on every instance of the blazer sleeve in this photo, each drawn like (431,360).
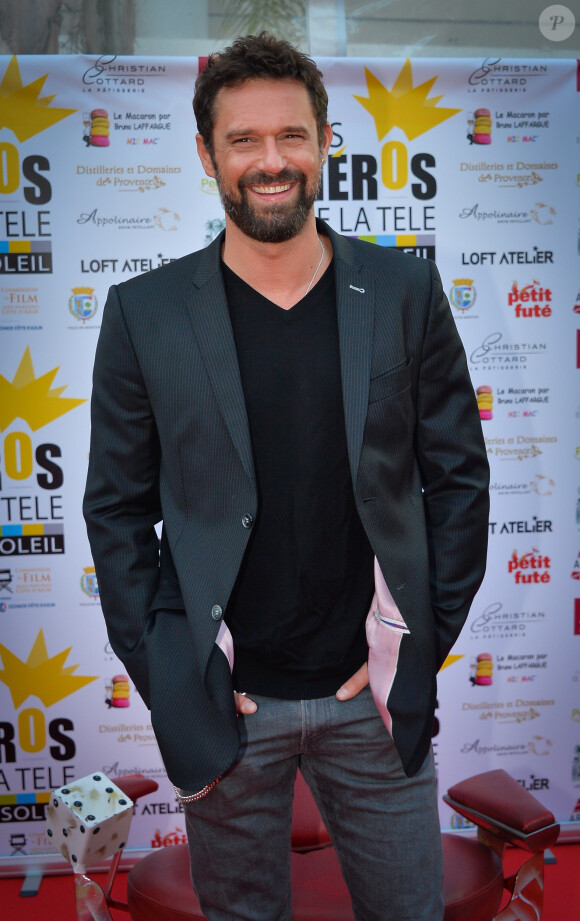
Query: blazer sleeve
(122,504)
(454,470)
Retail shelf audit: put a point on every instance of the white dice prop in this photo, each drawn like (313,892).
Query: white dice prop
(89,820)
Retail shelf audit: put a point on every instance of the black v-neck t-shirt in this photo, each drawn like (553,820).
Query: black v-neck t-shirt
(298,609)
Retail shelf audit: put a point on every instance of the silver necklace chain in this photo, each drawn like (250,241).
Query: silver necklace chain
(317,267)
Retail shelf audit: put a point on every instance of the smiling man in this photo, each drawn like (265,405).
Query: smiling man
(295,407)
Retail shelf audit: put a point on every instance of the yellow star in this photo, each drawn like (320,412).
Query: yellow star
(405,106)
(32,399)
(22,109)
(48,679)
(450,660)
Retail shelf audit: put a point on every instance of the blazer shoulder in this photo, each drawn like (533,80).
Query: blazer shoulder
(178,275)
(380,259)
(174,274)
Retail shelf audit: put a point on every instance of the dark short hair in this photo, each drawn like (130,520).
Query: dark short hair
(256,57)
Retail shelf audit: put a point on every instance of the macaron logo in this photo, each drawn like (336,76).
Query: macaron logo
(530,301)
(119,692)
(485,401)
(462,294)
(96,126)
(482,670)
(576,568)
(479,126)
(530,569)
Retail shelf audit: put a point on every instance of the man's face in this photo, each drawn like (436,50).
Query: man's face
(267,157)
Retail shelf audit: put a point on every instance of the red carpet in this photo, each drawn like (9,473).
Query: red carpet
(55,897)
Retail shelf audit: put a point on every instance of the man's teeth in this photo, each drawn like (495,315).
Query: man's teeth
(271,189)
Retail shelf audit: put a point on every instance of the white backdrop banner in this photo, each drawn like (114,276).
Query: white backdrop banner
(473,163)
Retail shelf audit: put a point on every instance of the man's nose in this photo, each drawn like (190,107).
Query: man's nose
(272,159)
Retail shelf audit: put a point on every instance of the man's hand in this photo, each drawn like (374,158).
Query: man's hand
(349,689)
(355,684)
(244,704)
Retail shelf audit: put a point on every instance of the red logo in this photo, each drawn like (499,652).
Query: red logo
(576,616)
(169,839)
(531,568)
(530,301)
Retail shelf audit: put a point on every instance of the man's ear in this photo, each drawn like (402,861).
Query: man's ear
(205,157)
(326,140)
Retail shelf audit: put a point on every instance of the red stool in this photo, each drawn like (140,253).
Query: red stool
(159,888)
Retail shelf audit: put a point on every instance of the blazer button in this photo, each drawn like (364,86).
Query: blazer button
(216,612)
(247,521)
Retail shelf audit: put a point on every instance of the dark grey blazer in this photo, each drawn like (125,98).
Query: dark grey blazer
(170,441)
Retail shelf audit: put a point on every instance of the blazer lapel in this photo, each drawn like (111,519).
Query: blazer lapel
(355,298)
(355,309)
(210,317)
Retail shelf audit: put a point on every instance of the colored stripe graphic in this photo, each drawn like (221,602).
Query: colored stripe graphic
(22,799)
(25,246)
(30,530)
(399,239)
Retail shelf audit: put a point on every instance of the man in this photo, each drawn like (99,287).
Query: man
(295,406)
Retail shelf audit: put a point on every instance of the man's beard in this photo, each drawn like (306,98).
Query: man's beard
(274,223)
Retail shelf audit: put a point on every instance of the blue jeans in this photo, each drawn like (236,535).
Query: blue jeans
(384,825)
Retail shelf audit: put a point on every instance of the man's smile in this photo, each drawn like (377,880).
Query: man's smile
(271,189)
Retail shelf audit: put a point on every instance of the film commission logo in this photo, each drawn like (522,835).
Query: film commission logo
(33,523)
(25,580)
(27,247)
(50,680)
